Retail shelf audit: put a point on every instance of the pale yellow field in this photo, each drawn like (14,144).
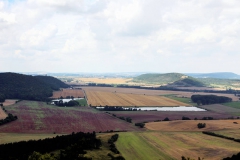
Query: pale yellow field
(156,92)
(99,98)
(9,102)
(2,114)
(105,80)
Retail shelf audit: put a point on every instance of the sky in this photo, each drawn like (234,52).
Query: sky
(185,36)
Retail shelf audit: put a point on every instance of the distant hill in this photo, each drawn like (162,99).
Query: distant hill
(219,75)
(173,79)
(19,86)
(188,82)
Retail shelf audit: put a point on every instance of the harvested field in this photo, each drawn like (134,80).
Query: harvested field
(105,80)
(16,137)
(3,115)
(155,92)
(173,145)
(38,117)
(191,125)
(150,116)
(9,102)
(68,92)
(97,98)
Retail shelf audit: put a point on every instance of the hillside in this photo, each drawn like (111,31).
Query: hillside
(19,86)
(188,82)
(171,79)
(219,75)
(159,78)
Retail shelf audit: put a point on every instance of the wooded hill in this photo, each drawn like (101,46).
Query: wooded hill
(175,79)
(19,86)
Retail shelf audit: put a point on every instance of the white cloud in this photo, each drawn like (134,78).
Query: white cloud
(119,35)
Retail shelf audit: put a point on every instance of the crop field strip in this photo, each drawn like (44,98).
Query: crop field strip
(97,98)
(9,102)
(173,145)
(155,92)
(191,125)
(68,92)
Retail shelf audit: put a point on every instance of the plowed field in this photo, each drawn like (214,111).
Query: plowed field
(68,92)
(38,117)
(98,98)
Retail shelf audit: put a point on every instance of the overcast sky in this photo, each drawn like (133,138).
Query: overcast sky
(120,36)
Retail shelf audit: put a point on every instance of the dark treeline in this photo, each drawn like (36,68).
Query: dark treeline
(234,157)
(19,86)
(221,136)
(8,119)
(67,104)
(70,147)
(209,99)
(141,125)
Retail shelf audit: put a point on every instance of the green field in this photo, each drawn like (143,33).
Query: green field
(232,104)
(82,102)
(184,100)
(173,145)
(16,137)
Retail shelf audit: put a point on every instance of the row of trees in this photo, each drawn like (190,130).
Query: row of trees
(8,119)
(209,99)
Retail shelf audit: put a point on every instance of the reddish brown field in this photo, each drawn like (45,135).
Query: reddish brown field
(68,92)
(2,114)
(150,116)
(98,98)
(191,125)
(37,117)
(155,92)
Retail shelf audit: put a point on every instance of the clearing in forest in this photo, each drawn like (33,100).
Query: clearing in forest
(98,98)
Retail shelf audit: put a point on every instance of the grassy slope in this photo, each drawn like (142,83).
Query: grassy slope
(82,102)
(158,78)
(16,137)
(180,99)
(173,145)
(232,104)
(133,147)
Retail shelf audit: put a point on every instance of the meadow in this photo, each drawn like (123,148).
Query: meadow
(174,145)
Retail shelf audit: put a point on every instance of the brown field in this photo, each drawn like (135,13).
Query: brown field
(9,102)
(68,92)
(98,98)
(191,125)
(2,114)
(155,92)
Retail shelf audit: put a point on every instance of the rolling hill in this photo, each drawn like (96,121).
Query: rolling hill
(218,75)
(173,79)
(19,86)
